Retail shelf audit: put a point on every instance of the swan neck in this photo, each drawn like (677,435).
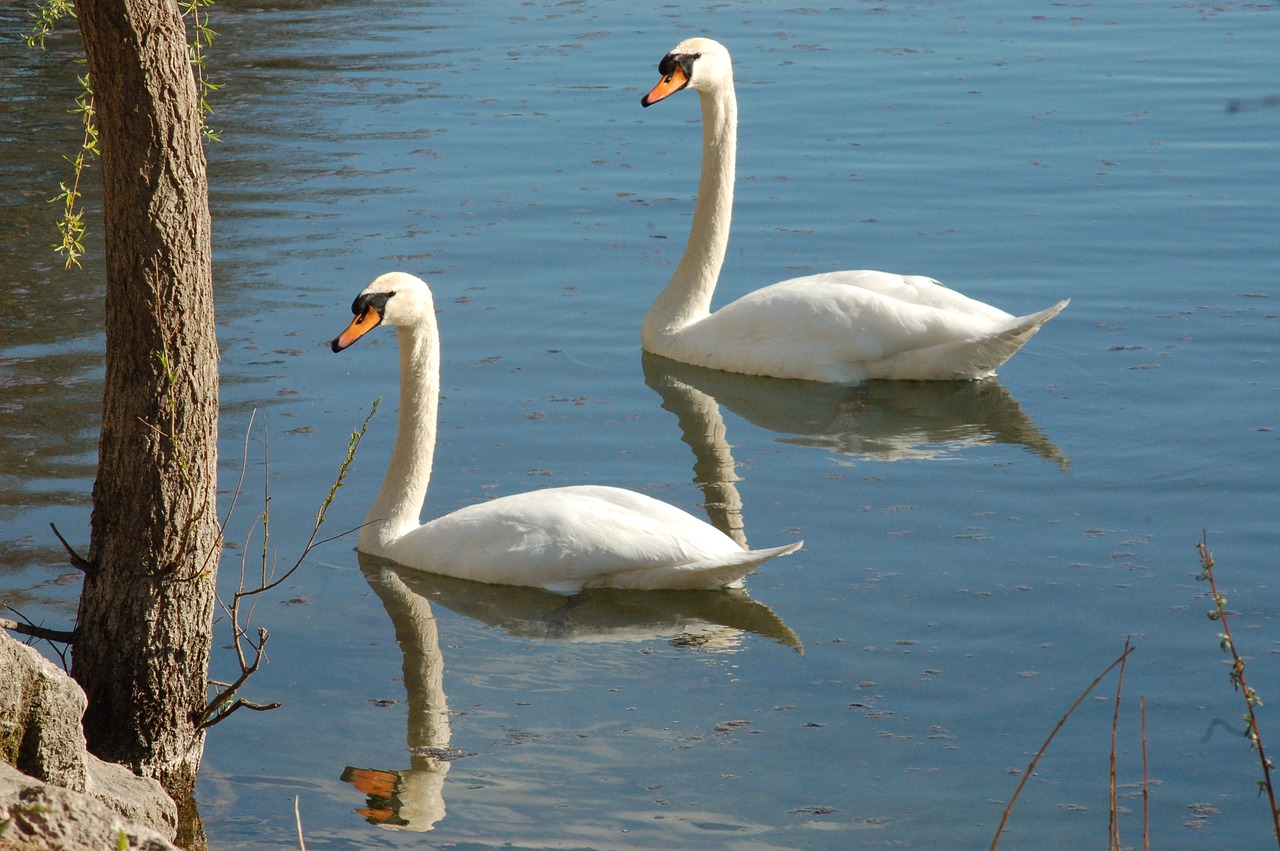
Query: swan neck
(687,298)
(399,504)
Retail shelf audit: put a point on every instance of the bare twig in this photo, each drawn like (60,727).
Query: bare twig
(240,703)
(78,561)
(239,489)
(312,543)
(1251,699)
(43,633)
(297,819)
(1114,809)
(221,706)
(58,640)
(225,701)
(1146,788)
(1004,819)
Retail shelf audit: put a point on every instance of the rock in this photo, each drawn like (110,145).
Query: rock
(41,738)
(36,816)
(40,712)
(138,799)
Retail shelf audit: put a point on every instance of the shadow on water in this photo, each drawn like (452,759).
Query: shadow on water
(710,620)
(873,421)
(413,798)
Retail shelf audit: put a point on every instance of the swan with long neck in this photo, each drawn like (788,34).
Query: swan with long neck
(562,539)
(841,327)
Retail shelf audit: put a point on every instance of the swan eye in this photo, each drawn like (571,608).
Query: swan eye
(673,62)
(378,301)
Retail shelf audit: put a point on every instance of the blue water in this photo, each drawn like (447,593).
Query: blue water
(974,554)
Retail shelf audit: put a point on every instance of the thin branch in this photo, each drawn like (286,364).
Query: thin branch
(1146,788)
(240,703)
(1251,699)
(216,550)
(78,561)
(214,712)
(60,642)
(47,15)
(266,504)
(222,703)
(297,818)
(332,538)
(72,228)
(1032,767)
(1114,809)
(44,633)
(312,543)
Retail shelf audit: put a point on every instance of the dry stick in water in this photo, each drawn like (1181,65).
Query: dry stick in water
(297,818)
(1146,800)
(1219,613)
(1063,720)
(1114,827)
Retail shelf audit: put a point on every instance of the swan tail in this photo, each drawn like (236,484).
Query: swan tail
(1005,342)
(1026,326)
(709,574)
(978,357)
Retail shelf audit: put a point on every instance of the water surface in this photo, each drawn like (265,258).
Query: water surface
(974,554)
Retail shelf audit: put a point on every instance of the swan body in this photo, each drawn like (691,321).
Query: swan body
(841,327)
(562,539)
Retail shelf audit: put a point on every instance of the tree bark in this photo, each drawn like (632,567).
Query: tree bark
(145,618)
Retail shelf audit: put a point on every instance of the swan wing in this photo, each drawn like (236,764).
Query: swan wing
(853,325)
(566,539)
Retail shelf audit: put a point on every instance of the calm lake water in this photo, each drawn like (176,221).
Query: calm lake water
(975,554)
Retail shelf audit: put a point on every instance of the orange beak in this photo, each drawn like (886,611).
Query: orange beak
(361,325)
(667,86)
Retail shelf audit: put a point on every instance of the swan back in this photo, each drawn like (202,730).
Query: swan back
(570,538)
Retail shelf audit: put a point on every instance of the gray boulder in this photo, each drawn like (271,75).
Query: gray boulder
(55,783)
(36,816)
(40,712)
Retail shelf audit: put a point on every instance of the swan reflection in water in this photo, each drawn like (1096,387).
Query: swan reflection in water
(413,798)
(874,421)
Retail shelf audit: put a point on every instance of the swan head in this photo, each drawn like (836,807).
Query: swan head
(700,64)
(396,298)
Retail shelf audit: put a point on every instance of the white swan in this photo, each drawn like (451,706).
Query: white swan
(561,539)
(839,327)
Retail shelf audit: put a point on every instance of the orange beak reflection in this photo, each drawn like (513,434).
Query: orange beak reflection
(361,325)
(380,788)
(667,86)
(372,782)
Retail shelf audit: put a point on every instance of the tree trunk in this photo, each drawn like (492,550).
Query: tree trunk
(145,619)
